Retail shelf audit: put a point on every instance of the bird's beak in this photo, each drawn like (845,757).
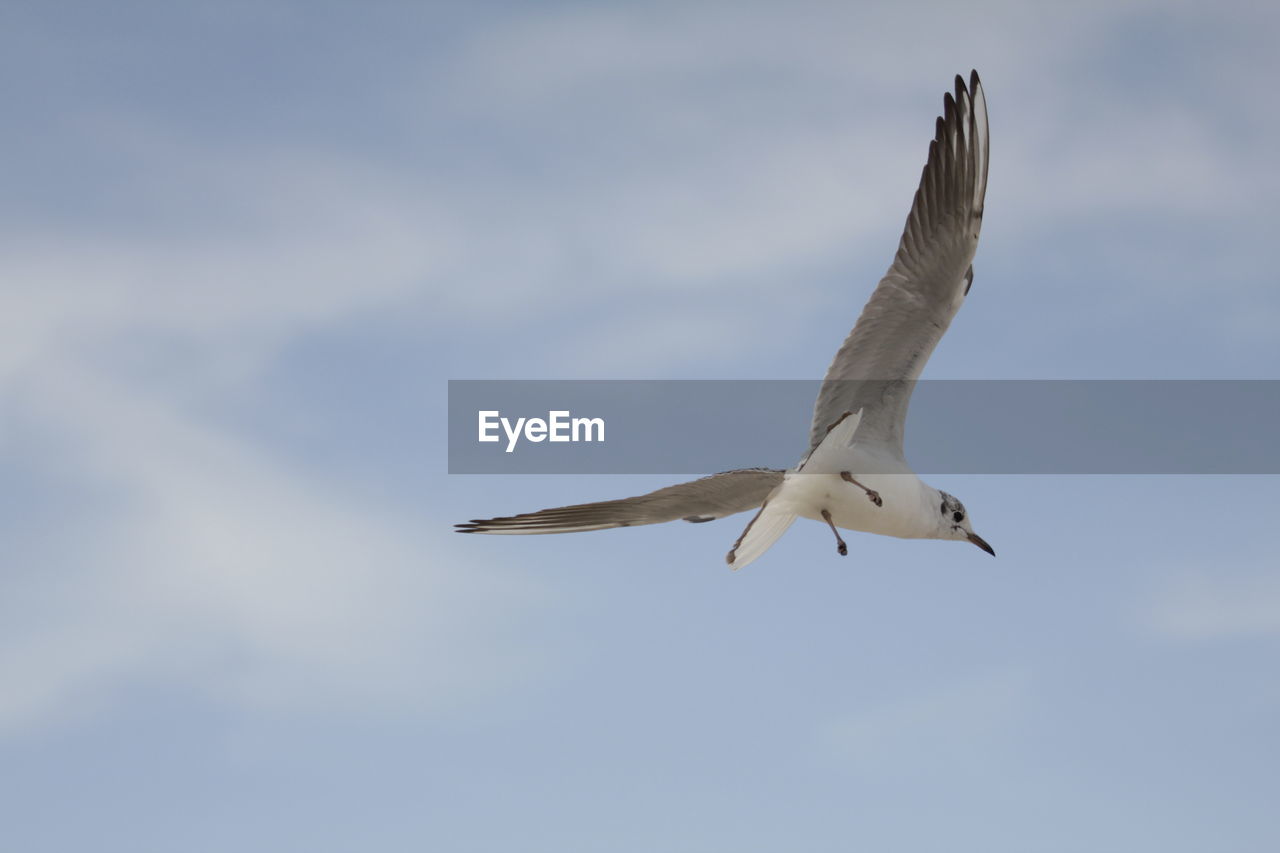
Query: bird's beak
(981,543)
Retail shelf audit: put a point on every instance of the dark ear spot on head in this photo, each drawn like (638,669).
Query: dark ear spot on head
(944,508)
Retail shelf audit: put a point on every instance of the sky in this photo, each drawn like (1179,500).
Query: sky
(246,245)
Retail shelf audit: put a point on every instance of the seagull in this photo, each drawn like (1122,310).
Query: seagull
(854,475)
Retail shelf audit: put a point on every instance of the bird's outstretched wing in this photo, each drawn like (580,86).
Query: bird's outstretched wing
(876,368)
(698,500)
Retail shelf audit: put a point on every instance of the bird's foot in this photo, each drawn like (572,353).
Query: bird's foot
(841,548)
(872,494)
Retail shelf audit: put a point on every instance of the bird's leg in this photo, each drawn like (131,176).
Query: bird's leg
(872,494)
(840,546)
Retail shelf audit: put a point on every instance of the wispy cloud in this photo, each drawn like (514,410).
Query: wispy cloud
(1222,606)
(220,568)
(183,550)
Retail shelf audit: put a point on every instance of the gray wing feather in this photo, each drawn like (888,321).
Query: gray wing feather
(698,500)
(876,368)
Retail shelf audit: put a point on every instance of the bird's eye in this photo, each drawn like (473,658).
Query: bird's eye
(959,517)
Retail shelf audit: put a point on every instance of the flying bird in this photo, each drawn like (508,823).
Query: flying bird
(854,475)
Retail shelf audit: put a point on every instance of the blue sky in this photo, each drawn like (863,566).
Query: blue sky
(245,246)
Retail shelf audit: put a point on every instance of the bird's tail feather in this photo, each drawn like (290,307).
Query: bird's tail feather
(761,532)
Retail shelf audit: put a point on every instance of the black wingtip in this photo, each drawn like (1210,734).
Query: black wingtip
(971,89)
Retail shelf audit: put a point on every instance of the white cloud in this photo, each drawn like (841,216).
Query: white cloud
(663,149)
(219,569)
(184,553)
(298,243)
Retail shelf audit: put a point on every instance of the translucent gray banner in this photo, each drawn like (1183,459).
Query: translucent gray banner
(955,427)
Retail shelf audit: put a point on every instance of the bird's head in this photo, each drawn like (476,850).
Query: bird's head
(953,523)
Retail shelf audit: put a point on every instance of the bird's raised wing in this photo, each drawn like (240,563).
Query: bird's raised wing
(876,367)
(698,500)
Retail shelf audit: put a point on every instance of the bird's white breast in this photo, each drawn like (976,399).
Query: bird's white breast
(818,485)
(902,512)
